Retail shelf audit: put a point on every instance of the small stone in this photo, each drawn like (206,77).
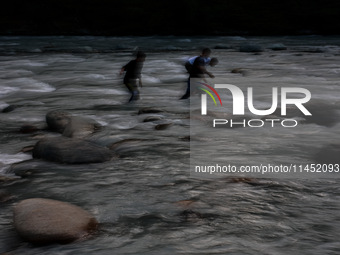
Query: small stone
(57,120)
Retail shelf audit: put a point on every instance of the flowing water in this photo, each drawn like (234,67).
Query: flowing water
(145,200)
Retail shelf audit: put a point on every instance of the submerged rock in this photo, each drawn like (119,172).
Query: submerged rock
(5,196)
(71,151)
(44,221)
(149,110)
(185,138)
(152,118)
(7,179)
(126,143)
(27,129)
(57,120)
(27,149)
(240,71)
(243,180)
(163,126)
(10,108)
(130,147)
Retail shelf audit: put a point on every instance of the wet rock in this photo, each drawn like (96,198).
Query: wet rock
(79,127)
(29,167)
(44,221)
(251,48)
(239,70)
(130,147)
(57,120)
(152,118)
(7,179)
(38,137)
(277,47)
(20,169)
(185,138)
(163,126)
(10,108)
(126,143)
(71,151)
(5,196)
(149,110)
(190,215)
(27,129)
(27,149)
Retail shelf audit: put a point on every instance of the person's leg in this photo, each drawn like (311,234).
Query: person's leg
(130,88)
(133,87)
(187,93)
(134,94)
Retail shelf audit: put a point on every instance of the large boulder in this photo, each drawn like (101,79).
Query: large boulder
(71,151)
(43,221)
(57,120)
(79,127)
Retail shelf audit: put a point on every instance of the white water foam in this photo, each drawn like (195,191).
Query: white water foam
(8,74)
(7,159)
(25,84)
(3,105)
(4,91)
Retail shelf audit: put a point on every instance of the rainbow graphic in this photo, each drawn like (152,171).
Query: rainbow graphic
(209,93)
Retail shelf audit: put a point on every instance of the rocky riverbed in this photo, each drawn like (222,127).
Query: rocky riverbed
(69,138)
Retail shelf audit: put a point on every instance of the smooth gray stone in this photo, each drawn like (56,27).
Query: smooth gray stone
(43,221)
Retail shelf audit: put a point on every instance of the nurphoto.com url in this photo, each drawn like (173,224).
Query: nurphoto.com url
(268,169)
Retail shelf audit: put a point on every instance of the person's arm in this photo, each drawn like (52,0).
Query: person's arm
(201,65)
(204,70)
(122,70)
(210,74)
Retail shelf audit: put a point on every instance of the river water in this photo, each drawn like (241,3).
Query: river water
(145,200)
